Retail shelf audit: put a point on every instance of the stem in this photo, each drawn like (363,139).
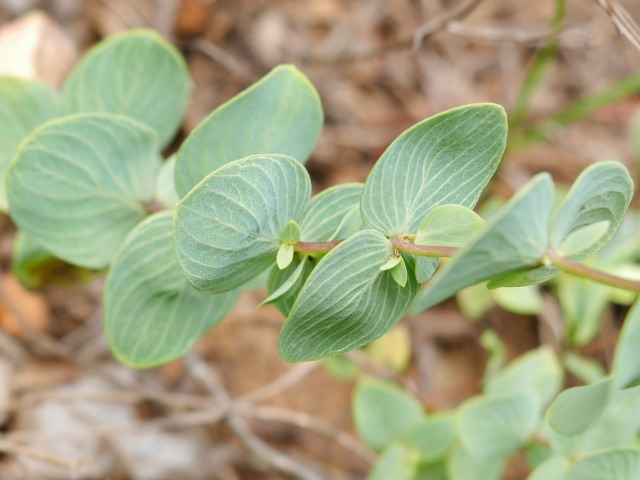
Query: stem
(311,248)
(581,270)
(401,243)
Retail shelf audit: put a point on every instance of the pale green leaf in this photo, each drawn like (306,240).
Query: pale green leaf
(618,425)
(166,193)
(278,280)
(583,368)
(475,301)
(399,273)
(392,350)
(601,193)
(583,238)
(614,464)
(284,256)
(80,184)
(513,238)
(626,367)
(137,74)
(583,303)
(397,463)
(383,413)
(576,408)
(537,372)
(432,471)
(347,301)
(290,233)
(24,105)
(448,226)
(464,466)
(446,159)
(281,113)
(391,262)
(152,314)
(525,300)
(432,437)
(333,214)
(227,230)
(425,268)
(554,468)
(494,346)
(491,427)
(287,285)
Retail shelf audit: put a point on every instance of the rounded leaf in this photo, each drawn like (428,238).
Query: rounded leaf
(613,464)
(333,214)
(79,185)
(281,113)
(152,314)
(448,158)
(24,105)
(383,413)
(135,73)
(228,229)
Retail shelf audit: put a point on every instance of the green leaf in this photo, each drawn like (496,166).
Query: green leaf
(383,413)
(392,262)
(601,193)
(585,369)
(396,462)
(448,226)
(554,468)
(513,238)
(431,437)
(36,268)
(287,285)
(491,427)
(432,471)
(446,159)
(136,74)
(494,346)
(617,426)
(227,230)
(80,184)
(24,105)
(290,233)
(614,464)
(281,113)
(583,305)
(583,238)
(425,268)
(475,301)
(284,256)
(333,214)
(399,273)
(166,193)
(152,314)
(347,301)
(536,372)
(576,408)
(626,367)
(283,294)
(463,466)
(525,300)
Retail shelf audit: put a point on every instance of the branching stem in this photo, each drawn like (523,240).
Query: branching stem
(401,243)
(581,270)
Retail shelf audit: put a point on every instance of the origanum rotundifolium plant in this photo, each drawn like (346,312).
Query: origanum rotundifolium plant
(83,178)
(180,239)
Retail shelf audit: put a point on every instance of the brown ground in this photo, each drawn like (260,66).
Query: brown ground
(60,391)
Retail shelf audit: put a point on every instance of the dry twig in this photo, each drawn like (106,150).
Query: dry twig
(275,459)
(624,22)
(461,10)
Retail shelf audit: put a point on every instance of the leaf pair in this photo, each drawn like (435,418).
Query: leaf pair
(512,245)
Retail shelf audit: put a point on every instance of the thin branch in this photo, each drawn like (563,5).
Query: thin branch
(461,10)
(623,21)
(305,421)
(583,271)
(13,449)
(311,248)
(272,457)
(422,250)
